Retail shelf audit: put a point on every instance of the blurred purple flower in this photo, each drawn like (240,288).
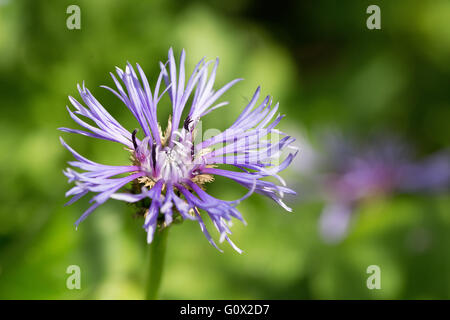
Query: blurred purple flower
(383,168)
(430,175)
(167,167)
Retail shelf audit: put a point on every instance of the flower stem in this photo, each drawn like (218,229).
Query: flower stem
(157,250)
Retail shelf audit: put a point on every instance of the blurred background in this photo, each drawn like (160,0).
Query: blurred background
(370,110)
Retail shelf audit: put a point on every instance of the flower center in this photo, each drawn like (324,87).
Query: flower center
(174,163)
(171,162)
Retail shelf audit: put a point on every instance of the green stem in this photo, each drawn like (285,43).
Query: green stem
(157,250)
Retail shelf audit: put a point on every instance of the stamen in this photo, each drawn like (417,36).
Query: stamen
(187,122)
(133,137)
(154,155)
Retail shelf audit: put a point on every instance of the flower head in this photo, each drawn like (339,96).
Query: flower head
(169,168)
(385,167)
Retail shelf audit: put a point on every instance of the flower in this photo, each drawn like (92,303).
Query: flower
(385,167)
(169,168)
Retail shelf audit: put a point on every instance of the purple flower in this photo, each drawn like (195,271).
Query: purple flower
(169,168)
(385,167)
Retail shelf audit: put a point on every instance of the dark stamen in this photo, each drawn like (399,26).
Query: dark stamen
(154,155)
(133,137)
(187,122)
